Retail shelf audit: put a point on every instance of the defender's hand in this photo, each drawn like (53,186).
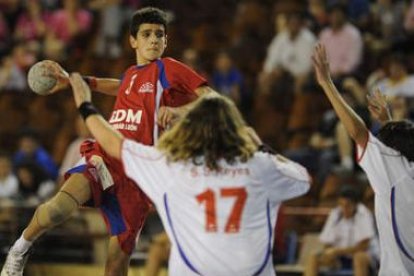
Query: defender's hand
(378,107)
(321,65)
(167,115)
(81,91)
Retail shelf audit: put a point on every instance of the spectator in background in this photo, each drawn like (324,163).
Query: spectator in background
(111,20)
(347,235)
(14,66)
(70,22)
(4,33)
(30,150)
(226,78)
(357,10)
(343,43)
(409,19)
(318,13)
(290,51)
(388,18)
(190,57)
(31,23)
(34,184)
(397,81)
(8,181)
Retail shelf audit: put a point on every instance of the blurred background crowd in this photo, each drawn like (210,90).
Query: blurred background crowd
(257,52)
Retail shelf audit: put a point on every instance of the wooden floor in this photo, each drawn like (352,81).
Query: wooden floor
(76,270)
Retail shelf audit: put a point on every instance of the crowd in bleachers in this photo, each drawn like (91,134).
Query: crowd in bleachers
(256,52)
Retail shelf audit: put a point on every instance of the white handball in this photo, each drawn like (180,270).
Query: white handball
(40,80)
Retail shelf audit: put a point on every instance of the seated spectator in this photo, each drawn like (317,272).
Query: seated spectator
(290,51)
(347,235)
(34,184)
(318,13)
(343,43)
(388,17)
(4,33)
(30,150)
(13,68)
(111,20)
(226,78)
(409,19)
(31,23)
(190,57)
(70,22)
(8,181)
(397,81)
(357,10)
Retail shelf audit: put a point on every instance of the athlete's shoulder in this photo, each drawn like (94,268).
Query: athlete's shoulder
(171,62)
(130,69)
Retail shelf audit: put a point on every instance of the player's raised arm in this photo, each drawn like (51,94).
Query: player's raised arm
(109,138)
(353,123)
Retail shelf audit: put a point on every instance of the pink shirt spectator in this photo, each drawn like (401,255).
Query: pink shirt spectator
(344,48)
(59,23)
(27,27)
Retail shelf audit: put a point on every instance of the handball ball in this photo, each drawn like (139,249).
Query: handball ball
(38,79)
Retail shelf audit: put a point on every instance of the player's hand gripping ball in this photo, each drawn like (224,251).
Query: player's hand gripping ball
(40,79)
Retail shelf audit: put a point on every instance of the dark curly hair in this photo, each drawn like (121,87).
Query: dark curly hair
(399,135)
(148,15)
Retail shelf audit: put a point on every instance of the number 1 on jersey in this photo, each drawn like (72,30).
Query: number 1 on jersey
(209,199)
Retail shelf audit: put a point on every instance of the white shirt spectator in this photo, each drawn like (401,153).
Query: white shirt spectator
(9,186)
(294,55)
(341,232)
(391,177)
(404,88)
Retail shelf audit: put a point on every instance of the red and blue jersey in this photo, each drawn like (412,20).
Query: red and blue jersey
(164,82)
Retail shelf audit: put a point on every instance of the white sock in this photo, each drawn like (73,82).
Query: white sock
(22,245)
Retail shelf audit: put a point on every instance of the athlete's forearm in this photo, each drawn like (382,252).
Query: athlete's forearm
(109,138)
(106,86)
(200,91)
(353,123)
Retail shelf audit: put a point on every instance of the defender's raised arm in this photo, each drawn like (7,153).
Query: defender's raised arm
(353,123)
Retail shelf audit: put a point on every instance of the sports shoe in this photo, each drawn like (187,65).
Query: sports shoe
(15,263)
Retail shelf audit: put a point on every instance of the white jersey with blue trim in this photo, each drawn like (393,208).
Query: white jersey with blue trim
(220,223)
(391,176)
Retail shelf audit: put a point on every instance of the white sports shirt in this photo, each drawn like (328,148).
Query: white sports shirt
(391,177)
(220,224)
(339,231)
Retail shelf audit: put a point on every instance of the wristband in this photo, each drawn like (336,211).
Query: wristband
(87,109)
(91,81)
(266,148)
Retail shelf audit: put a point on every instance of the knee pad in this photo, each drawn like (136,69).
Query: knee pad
(56,210)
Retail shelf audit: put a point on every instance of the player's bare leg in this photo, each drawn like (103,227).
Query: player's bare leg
(361,261)
(158,253)
(315,261)
(118,261)
(74,192)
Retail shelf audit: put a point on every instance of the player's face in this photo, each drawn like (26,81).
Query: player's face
(149,42)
